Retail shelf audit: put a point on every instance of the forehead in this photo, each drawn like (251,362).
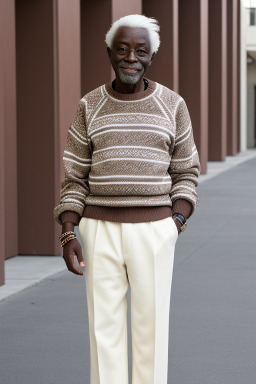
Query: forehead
(132,35)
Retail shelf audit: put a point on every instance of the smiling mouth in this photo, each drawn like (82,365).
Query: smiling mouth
(130,70)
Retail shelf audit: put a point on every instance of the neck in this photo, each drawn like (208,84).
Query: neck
(129,88)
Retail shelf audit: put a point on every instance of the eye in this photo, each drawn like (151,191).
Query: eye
(141,52)
(122,50)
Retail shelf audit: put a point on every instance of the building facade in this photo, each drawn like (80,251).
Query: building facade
(53,52)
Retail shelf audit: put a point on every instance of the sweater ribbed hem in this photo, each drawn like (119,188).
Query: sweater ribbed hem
(127,214)
(70,217)
(183,207)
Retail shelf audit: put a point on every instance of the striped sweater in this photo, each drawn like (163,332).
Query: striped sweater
(129,150)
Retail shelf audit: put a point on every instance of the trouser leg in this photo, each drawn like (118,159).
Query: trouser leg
(150,266)
(106,286)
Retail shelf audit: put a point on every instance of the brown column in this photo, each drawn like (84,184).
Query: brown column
(217,139)
(164,68)
(48,86)
(193,69)
(238,76)
(95,66)
(2,224)
(7,46)
(96,69)
(233,102)
(67,85)
(122,8)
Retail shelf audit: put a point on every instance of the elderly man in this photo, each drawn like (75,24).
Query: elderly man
(131,172)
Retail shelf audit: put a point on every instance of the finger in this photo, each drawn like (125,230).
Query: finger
(69,251)
(72,268)
(75,270)
(80,257)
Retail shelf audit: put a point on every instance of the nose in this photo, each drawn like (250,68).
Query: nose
(131,56)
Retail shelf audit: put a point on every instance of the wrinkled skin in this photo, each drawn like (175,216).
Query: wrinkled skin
(130,70)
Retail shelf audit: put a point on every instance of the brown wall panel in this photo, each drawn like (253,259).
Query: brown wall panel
(122,8)
(193,69)
(238,77)
(48,80)
(67,84)
(95,67)
(67,68)
(175,45)
(95,21)
(2,195)
(164,68)
(35,111)
(7,29)
(233,103)
(217,139)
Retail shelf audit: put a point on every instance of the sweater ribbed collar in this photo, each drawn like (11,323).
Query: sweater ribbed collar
(131,96)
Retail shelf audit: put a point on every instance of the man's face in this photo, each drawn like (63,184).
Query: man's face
(130,54)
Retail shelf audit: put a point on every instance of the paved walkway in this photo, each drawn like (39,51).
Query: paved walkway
(44,329)
(22,272)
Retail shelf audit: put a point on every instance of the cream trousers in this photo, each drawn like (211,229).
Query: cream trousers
(142,255)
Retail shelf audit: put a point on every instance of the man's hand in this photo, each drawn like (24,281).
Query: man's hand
(178,225)
(72,249)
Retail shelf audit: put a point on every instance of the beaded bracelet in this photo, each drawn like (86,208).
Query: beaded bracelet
(66,237)
(66,240)
(65,234)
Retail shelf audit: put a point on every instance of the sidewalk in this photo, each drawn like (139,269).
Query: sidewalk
(44,329)
(22,272)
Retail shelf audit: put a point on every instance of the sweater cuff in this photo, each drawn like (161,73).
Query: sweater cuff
(182,206)
(70,217)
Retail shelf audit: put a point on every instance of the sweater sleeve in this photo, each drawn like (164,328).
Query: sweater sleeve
(185,166)
(77,164)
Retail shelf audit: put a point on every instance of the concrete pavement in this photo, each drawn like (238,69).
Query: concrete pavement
(22,272)
(44,329)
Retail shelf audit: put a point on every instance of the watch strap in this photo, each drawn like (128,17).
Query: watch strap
(181,219)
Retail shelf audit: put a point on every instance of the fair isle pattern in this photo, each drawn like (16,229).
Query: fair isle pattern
(126,152)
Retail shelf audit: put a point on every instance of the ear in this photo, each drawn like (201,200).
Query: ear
(152,57)
(109,52)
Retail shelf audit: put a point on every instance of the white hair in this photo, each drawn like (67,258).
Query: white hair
(136,21)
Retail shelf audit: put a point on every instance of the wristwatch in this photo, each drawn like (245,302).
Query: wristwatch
(181,219)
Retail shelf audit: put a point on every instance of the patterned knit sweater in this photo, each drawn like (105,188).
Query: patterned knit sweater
(129,150)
